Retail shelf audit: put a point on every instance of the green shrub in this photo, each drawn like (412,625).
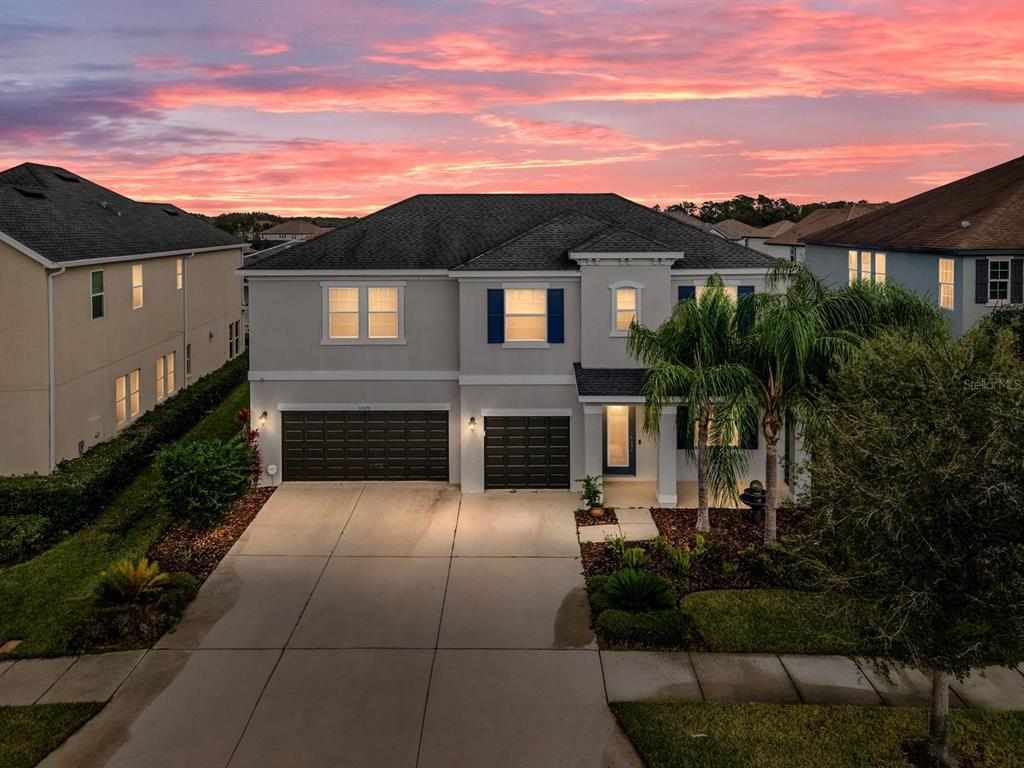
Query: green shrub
(659,629)
(595,588)
(21,533)
(78,489)
(634,558)
(129,582)
(632,590)
(200,479)
(785,563)
(615,546)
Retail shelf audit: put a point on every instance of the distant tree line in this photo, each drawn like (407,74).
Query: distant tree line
(757,211)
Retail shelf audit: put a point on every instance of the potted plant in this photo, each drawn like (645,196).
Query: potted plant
(592,494)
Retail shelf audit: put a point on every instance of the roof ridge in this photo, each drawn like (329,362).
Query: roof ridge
(530,231)
(611,228)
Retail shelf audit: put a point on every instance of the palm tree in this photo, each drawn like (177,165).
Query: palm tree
(692,358)
(798,330)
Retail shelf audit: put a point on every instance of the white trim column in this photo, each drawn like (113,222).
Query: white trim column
(593,436)
(666,485)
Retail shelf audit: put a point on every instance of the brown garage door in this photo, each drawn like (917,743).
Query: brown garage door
(526,451)
(365,445)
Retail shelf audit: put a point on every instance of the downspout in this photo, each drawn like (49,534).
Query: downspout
(50,352)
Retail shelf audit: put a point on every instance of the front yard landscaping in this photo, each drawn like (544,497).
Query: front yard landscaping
(48,603)
(28,734)
(669,735)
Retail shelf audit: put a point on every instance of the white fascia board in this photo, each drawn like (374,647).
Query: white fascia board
(21,248)
(752,271)
(512,379)
(353,375)
(313,274)
(143,256)
(519,274)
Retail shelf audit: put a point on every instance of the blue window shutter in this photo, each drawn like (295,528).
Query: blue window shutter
(980,281)
(687,292)
(495,316)
(745,290)
(556,315)
(1016,281)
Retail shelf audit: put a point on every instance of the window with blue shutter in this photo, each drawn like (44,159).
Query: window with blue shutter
(556,316)
(495,316)
(687,292)
(745,318)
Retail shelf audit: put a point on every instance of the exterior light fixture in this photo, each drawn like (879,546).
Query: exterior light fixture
(472,423)
(263,418)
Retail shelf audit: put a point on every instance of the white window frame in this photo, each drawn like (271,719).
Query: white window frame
(363,337)
(165,376)
(615,288)
(179,272)
(139,286)
(864,265)
(947,298)
(524,344)
(1004,281)
(234,332)
(93,294)
(132,382)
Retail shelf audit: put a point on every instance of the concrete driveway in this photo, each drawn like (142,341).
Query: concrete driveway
(376,625)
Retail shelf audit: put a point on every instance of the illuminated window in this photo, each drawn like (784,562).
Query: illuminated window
(233,338)
(136,286)
(625,307)
(179,268)
(946,271)
(730,291)
(96,293)
(865,265)
(526,314)
(998,280)
(164,376)
(133,393)
(879,268)
(382,312)
(126,396)
(852,264)
(733,440)
(343,313)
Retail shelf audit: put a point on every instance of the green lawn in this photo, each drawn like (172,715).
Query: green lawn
(774,621)
(28,734)
(44,599)
(676,735)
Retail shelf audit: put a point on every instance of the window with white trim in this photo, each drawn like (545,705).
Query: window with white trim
(136,286)
(233,338)
(382,312)
(625,308)
(343,312)
(946,278)
(164,376)
(179,271)
(361,314)
(526,314)
(126,396)
(96,294)
(866,265)
(998,280)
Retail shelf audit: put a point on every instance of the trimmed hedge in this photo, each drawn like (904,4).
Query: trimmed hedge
(78,488)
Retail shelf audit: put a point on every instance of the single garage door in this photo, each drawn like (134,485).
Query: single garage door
(526,451)
(365,445)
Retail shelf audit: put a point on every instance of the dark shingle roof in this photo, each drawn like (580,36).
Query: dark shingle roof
(446,231)
(820,219)
(64,217)
(608,382)
(621,241)
(992,201)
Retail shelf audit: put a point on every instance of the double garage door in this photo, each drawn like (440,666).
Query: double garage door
(519,451)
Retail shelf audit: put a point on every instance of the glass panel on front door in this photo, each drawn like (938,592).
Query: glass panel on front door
(618,435)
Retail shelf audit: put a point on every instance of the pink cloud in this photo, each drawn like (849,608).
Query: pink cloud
(270,49)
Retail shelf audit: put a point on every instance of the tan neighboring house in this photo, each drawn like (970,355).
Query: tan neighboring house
(790,244)
(107,307)
(752,237)
(296,229)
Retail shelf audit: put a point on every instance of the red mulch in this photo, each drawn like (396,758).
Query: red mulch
(583,517)
(732,531)
(197,551)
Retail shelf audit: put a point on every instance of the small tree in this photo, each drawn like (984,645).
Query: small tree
(917,474)
(201,479)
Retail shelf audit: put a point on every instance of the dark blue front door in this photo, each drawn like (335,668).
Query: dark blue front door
(619,440)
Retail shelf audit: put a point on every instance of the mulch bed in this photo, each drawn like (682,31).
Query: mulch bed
(583,517)
(197,551)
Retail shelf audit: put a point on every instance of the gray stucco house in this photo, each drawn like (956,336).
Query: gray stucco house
(961,244)
(477,339)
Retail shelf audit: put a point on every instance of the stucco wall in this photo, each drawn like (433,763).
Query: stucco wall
(599,348)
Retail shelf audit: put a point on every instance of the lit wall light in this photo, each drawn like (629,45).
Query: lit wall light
(472,423)
(263,418)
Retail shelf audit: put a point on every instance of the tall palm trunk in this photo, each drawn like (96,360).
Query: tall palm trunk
(703,518)
(938,748)
(772,428)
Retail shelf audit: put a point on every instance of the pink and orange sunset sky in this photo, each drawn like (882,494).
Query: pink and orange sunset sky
(340,108)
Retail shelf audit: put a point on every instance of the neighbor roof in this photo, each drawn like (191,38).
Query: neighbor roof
(820,219)
(693,221)
(296,227)
(64,217)
(983,212)
(609,382)
(507,232)
(733,229)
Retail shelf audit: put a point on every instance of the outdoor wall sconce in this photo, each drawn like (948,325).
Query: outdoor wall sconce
(472,423)
(263,418)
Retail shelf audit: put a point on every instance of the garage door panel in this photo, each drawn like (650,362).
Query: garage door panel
(526,452)
(365,445)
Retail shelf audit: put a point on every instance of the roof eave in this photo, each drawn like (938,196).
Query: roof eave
(918,248)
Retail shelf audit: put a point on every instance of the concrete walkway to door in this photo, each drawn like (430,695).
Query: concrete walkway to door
(376,625)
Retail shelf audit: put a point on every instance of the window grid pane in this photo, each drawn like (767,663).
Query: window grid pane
(526,314)
(625,298)
(382,299)
(344,325)
(159,378)
(527,301)
(169,365)
(383,325)
(344,299)
(97,307)
(178,266)
(865,265)
(946,296)
(623,319)
(136,286)
(97,282)
(526,328)
(879,267)
(998,280)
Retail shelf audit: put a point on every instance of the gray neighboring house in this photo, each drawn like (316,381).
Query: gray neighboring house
(479,340)
(961,245)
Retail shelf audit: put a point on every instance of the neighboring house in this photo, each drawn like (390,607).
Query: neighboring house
(961,244)
(107,306)
(751,237)
(296,229)
(790,244)
(477,339)
(693,221)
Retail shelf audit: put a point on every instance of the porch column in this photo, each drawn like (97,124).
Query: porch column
(667,456)
(593,436)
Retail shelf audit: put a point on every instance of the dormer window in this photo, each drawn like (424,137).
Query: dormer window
(625,307)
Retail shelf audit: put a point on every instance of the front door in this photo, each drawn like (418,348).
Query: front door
(619,440)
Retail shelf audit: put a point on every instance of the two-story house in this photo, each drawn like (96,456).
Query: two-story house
(478,339)
(107,306)
(961,245)
(790,244)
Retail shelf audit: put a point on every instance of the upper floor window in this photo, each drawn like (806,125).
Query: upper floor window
(126,396)
(946,272)
(355,314)
(879,267)
(179,271)
(866,266)
(730,290)
(136,286)
(96,293)
(233,338)
(998,279)
(625,307)
(526,314)
(164,376)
